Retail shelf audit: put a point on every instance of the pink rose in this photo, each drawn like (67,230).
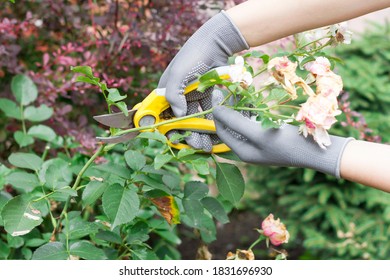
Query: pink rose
(318,114)
(275,230)
(329,84)
(319,67)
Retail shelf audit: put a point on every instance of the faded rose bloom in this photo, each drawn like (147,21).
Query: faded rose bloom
(329,85)
(318,114)
(241,255)
(283,70)
(275,230)
(238,72)
(325,78)
(320,66)
(319,111)
(341,33)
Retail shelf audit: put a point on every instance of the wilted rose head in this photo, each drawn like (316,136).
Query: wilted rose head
(275,230)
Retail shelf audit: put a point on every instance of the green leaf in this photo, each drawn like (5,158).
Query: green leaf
(77,228)
(208,79)
(38,114)
(135,159)
(257,54)
(172,180)
(10,108)
(109,236)
(115,169)
(306,60)
(193,193)
(4,198)
(150,182)
(276,94)
(4,171)
(23,181)
(215,208)
(51,251)
(195,190)
(185,152)
(4,250)
(15,241)
(194,210)
(57,173)
(120,204)
(25,160)
(122,106)
(87,251)
(93,191)
(19,216)
(24,89)
(159,225)
(42,132)
(179,136)
(154,136)
(139,232)
(161,159)
(267,123)
(230,182)
(35,242)
(201,166)
(86,70)
(114,95)
(229,155)
(62,194)
(22,139)
(83,79)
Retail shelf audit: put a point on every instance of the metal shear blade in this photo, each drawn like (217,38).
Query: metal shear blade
(117,120)
(118,139)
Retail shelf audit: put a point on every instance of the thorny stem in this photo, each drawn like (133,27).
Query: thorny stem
(263,69)
(154,126)
(23,122)
(77,182)
(261,238)
(329,42)
(309,43)
(45,152)
(85,167)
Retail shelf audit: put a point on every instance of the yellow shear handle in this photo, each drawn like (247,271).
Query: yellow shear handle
(193,124)
(155,103)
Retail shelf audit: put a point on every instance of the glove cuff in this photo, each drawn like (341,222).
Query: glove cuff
(342,146)
(328,161)
(236,43)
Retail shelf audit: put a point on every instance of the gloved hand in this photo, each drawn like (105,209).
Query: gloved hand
(209,47)
(276,147)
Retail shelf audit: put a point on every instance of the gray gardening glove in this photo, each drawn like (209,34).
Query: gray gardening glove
(209,47)
(277,147)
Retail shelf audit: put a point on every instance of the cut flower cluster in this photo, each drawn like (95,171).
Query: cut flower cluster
(319,111)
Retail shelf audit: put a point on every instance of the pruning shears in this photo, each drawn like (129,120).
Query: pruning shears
(150,111)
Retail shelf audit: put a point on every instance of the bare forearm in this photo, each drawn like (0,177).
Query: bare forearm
(263,21)
(367,163)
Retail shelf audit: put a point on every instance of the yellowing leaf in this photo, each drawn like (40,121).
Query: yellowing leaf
(166,205)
